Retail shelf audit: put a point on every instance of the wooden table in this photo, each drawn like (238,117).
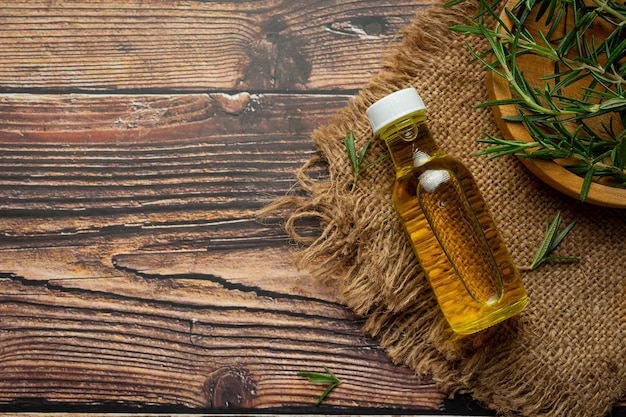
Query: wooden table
(137,141)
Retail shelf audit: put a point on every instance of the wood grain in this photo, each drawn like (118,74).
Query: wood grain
(196,45)
(167,158)
(134,273)
(192,339)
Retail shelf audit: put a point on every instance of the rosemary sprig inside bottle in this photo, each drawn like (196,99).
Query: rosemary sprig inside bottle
(562,124)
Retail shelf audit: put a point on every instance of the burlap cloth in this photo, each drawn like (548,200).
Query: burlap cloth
(564,355)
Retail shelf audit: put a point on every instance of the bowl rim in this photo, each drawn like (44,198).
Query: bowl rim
(550,172)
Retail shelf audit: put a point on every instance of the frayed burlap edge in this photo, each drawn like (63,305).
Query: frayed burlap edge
(394,297)
(391,306)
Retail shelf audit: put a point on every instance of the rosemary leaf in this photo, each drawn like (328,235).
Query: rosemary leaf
(491,103)
(317,378)
(584,190)
(363,152)
(350,148)
(366,167)
(550,241)
(503,147)
(325,393)
(356,162)
(619,154)
(544,247)
(453,3)
(561,235)
(314,377)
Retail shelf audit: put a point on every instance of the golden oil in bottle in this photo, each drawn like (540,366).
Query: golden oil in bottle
(453,234)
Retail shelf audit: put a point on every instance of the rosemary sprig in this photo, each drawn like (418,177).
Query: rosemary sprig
(356,161)
(327,378)
(551,240)
(558,123)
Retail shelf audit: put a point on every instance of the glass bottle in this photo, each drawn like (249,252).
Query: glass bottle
(453,234)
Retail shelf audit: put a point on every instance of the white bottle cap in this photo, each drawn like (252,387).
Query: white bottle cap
(394,106)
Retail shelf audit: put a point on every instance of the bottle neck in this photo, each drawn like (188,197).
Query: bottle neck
(405,137)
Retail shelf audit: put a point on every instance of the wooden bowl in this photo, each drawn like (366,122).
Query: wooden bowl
(551,172)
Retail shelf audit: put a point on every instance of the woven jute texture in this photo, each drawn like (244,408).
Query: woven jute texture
(564,355)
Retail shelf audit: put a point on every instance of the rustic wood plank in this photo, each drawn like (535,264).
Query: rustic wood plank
(196,45)
(192,339)
(134,273)
(143,159)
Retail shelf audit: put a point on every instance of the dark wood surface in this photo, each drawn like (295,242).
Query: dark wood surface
(137,140)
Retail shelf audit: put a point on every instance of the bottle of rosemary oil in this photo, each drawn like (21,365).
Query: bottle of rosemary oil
(453,234)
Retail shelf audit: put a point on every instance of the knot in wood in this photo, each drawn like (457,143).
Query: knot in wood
(230,388)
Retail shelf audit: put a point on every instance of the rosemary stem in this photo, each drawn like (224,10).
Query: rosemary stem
(585,79)
(551,54)
(604,6)
(530,102)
